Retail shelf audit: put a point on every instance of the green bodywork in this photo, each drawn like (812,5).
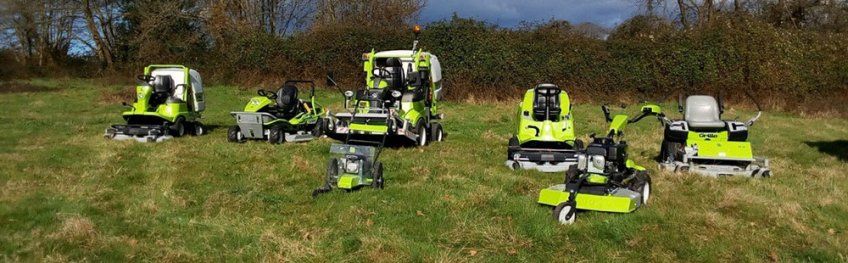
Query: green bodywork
(557,194)
(412,112)
(310,116)
(549,131)
(716,146)
(167,111)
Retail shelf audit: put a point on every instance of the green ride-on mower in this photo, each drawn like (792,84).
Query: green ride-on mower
(279,117)
(401,98)
(604,179)
(545,138)
(704,144)
(169,102)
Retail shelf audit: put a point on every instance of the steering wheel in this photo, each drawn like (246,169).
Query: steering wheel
(145,78)
(268,94)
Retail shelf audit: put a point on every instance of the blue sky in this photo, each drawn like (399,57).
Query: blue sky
(509,13)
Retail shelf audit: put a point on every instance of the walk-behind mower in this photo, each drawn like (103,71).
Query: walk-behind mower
(400,99)
(703,143)
(604,179)
(169,100)
(279,117)
(358,163)
(545,138)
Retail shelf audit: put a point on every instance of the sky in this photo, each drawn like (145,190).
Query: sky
(509,13)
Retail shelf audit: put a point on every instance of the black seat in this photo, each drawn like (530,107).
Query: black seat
(395,77)
(546,103)
(287,102)
(163,86)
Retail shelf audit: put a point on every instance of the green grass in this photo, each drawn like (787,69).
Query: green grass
(66,193)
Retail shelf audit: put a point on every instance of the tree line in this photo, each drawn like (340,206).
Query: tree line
(791,52)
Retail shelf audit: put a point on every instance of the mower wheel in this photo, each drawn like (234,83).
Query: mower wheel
(643,186)
(437,133)
(178,128)
(422,134)
(234,134)
(565,213)
(198,129)
(377,179)
(276,136)
(318,130)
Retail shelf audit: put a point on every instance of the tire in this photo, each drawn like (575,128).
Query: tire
(178,128)
(644,187)
(234,134)
(198,129)
(318,130)
(377,178)
(437,134)
(512,147)
(562,210)
(276,136)
(422,134)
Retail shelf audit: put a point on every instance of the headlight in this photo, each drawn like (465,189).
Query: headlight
(396,93)
(348,94)
(352,166)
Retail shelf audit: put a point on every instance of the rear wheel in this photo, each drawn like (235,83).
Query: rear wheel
(437,134)
(276,136)
(198,129)
(643,186)
(234,134)
(565,213)
(377,179)
(422,134)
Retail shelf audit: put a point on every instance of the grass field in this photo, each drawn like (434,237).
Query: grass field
(68,194)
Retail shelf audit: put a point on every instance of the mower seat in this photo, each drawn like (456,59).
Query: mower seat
(703,112)
(163,85)
(287,103)
(546,102)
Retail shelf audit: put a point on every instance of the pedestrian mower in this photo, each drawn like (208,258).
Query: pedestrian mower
(169,102)
(604,179)
(358,163)
(279,117)
(401,96)
(704,144)
(545,138)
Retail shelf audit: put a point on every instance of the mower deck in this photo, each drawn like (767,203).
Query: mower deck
(374,124)
(757,168)
(543,160)
(619,200)
(140,133)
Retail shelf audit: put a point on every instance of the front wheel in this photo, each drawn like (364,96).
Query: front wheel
(644,186)
(234,134)
(178,128)
(318,130)
(422,134)
(565,213)
(198,129)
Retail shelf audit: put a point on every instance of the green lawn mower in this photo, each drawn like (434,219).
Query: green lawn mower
(545,138)
(604,179)
(703,143)
(279,117)
(357,164)
(169,102)
(401,96)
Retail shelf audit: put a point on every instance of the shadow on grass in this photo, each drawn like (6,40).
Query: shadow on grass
(212,127)
(838,148)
